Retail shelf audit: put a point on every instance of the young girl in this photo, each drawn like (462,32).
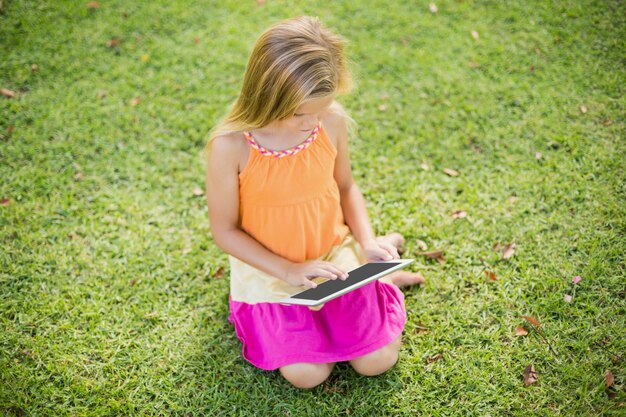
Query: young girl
(283,204)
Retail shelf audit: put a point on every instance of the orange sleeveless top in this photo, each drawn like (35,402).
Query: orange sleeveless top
(289,200)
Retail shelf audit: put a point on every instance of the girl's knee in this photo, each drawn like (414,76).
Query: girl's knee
(378,362)
(306,375)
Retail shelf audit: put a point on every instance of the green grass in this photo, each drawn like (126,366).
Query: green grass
(109,304)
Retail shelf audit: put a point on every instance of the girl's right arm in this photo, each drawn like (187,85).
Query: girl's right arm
(222,194)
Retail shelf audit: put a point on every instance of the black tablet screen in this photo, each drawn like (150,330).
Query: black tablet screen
(357,275)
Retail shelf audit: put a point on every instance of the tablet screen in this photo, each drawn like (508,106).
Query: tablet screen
(355,276)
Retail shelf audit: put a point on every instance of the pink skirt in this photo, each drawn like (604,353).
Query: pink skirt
(357,323)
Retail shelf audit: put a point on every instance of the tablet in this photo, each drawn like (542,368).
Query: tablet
(358,277)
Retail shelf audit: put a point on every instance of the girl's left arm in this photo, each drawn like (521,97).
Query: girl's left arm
(353,203)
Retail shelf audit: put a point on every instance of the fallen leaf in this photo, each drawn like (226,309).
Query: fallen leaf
(473,64)
(530,376)
(420,329)
(508,251)
(421,244)
(115,41)
(607,122)
(260,2)
(135,101)
(382,107)
(219,273)
(538,51)
(576,279)
(538,155)
(532,320)
(133,282)
(608,378)
(34,67)
(451,172)
(435,358)
(432,7)
(145,58)
(520,331)
(532,67)
(424,166)
(197,40)
(79,176)
(496,246)
(93,5)
(583,109)
(491,275)
(384,97)
(101,94)
(5,202)
(567,298)
(459,214)
(197,191)
(475,35)
(7,93)
(151,315)
(512,199)
(437,254)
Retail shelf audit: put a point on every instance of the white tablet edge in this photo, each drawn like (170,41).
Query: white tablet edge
(312,303)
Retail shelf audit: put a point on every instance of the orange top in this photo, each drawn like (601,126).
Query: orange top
(291,204)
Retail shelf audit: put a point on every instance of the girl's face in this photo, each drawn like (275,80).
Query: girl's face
(308,114)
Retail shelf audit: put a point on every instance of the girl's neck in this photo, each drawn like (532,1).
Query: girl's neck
(278,137)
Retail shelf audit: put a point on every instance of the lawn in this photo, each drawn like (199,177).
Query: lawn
(113,295)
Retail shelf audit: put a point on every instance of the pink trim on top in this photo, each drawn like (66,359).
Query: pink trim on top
(286,152)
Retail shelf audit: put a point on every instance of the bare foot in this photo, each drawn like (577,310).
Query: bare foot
(404,278)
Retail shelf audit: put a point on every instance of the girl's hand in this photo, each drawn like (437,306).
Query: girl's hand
(300,274)
(380,250)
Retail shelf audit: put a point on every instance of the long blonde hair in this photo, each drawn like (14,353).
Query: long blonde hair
(293,61)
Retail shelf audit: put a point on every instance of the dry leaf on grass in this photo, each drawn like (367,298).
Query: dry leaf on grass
(219,273)
(93,5)
(508,251)
(583,109)
(532,320)
(197,191)
(437,254)
(115,41)
(451,172)
(521,331)
(135,101)
(5,202)
(424,166)
(491,275)
(530,376)
(434,358)
(459,214)
(608,378)
(421,244)
(7,93)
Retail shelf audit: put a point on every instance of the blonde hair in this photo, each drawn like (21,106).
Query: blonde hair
(291,62)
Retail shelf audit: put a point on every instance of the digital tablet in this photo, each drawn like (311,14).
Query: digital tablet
(358,277)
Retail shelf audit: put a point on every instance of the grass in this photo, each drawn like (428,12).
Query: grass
(111,296)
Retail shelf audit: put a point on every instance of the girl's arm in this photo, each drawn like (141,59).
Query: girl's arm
(352,201)
(222,184)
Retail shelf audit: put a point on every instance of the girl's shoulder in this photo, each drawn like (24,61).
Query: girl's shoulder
(336,122)
(230,148)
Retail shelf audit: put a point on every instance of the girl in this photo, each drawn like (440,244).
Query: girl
(284,206)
